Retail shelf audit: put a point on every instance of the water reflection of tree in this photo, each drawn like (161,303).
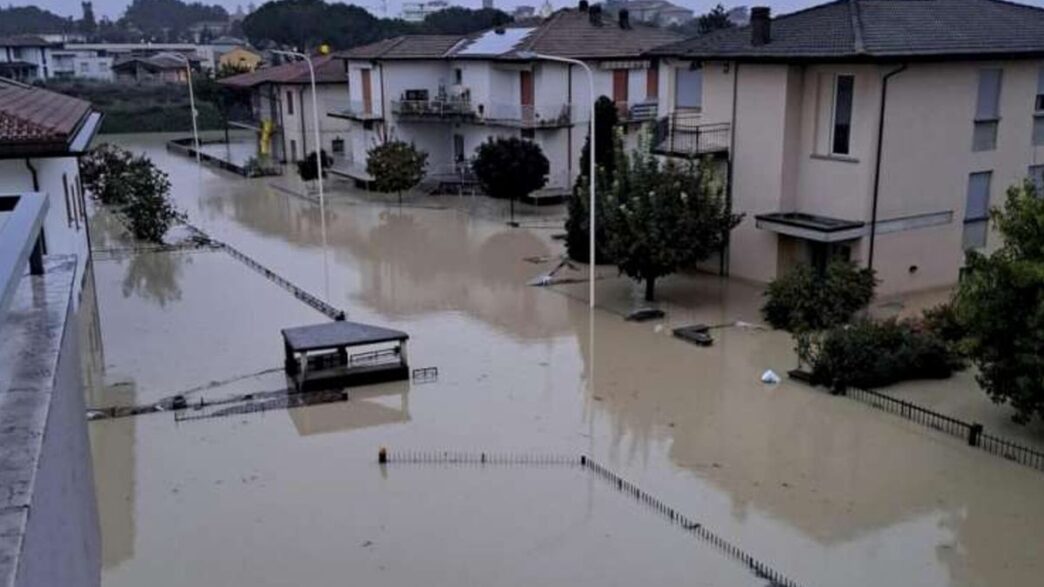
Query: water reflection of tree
(154,276)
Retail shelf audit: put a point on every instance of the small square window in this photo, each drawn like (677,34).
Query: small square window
(984,136)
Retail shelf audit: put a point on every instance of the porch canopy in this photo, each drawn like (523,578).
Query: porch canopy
(317,356)
(338,335)
(824,229)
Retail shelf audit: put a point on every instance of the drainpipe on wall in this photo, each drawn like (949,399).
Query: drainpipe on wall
(32,170)
(877,162)
(723,268)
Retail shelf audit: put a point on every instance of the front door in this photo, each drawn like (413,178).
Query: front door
(525,91)
(458,148)
(367,97)
(620,90)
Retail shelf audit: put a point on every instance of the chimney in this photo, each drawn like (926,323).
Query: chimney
(595,14)
(625,18)
(760,26)
(582,6)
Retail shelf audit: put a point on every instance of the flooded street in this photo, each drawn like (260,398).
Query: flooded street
(823,489)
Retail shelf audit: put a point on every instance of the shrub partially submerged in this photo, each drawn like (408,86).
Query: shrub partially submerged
(869,353)
(804,299)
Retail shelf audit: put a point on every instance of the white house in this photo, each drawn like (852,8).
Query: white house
(876,130)
(39,154)
(284,120)
(448,94)
(26,57)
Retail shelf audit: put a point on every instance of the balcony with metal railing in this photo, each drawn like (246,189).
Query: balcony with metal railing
(683,134)
(359,110)
(550,115)
(637,111)
(434,109)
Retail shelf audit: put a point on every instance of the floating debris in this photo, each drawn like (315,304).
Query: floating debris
(696,334)
(770,377)
(644,314)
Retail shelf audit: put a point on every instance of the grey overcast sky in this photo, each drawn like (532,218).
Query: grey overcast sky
(114,8)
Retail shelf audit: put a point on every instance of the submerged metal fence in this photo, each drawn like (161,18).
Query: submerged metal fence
(971,432)
(670,514)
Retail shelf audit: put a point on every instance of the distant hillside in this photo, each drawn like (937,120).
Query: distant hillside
(30,19)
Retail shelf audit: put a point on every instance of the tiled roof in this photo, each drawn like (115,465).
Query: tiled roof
(881,29)
(570,33)
(34,115)
(327,70)
(23,41)
(405,47)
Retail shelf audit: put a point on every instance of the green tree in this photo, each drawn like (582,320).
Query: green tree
(664,217)
(510,168)
(87,24)
(396,166)
(134,187)
(461,21)
(714,20)
(805,299)
(579,215)
(1000,303)
(169,18)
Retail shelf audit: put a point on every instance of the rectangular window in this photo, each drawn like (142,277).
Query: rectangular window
(458,76)
(976,210)
(1036,175)
(988,105)
(652,83)
(688,89)
(984,135)
(289,103)
(840,137)
(1038,130)
(1038,104)
(293,150)
(620,86)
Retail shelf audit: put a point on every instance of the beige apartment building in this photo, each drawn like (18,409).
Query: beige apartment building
(877,130)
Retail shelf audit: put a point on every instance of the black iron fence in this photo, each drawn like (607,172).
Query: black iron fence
(682,134)
(670,514)
(971,432)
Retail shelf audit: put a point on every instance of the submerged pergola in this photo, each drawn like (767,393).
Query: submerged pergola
(319,356)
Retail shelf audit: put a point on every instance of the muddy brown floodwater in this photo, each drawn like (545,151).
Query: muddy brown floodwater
(823,489)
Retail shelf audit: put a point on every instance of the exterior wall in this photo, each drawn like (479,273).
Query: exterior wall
(65,228)
(40,56)
(299,125)
(239,57)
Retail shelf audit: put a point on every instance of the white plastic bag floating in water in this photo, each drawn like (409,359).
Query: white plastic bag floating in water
(769,376)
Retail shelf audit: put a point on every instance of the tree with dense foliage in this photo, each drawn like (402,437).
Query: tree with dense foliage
(807,299)
(578,209)
(309,23)
(716,19)
(15,20)
(134,187)
(664,217)
(308,168)
(510,168)
(1000,304)
(396,166)
(170,19)
(87,24)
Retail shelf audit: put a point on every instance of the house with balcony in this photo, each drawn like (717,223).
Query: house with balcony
(281,99)
(449,93)
(879,131)
(26,57)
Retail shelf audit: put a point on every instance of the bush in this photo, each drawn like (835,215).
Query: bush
(396,166)
(134,186)
(510,168)
(868,353)
(804,299)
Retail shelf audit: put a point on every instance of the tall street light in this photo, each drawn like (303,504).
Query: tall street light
(192,102)
(315,117)
(323,50)
(591,156)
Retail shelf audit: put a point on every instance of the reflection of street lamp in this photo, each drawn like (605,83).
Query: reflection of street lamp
(591,155)
(323,49)
(192,102)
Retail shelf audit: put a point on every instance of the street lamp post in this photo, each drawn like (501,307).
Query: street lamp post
(591,157)
(315,121)
(192,104)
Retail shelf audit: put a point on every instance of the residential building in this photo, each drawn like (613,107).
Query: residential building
(51,534)
(873,130)
(241,58)
(26,57)
(448,94)
(523,11)
(162,67)
(205,55)
(84,64)
(418,11)
(42,135)
(655,12)
(284,120)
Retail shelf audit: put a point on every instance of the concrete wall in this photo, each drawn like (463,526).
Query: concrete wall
(64,226)
(299,126)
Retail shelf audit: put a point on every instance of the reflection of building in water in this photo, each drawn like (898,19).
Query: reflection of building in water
(374,405)
(414,262)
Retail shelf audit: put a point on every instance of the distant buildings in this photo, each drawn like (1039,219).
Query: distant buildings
(654,12)
(26,57)
(162,67)
(240,58)
(418,11)
(488,4)
(523,11)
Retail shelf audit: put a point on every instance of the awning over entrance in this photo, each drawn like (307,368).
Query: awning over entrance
(811,227)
